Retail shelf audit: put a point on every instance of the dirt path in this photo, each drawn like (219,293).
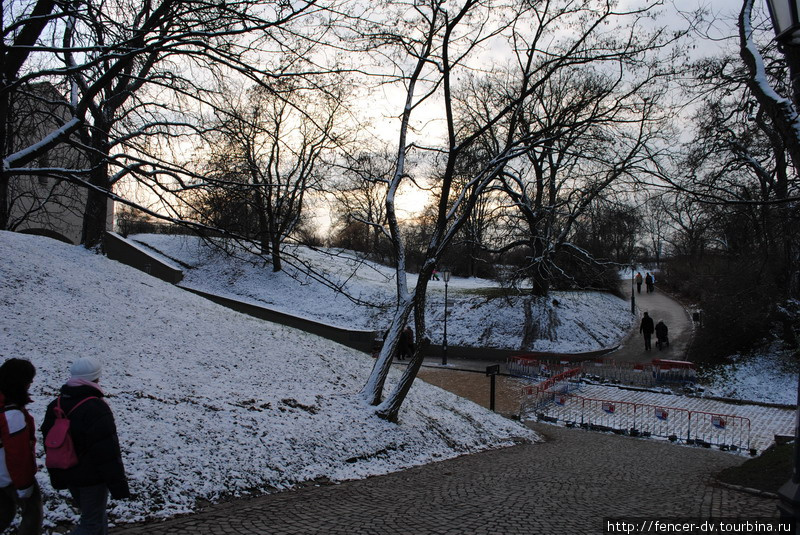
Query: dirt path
(476,387)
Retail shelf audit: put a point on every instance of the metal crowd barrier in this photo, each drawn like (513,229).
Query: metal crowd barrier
(606,369)
(537,368)
(728,432)
(535,397)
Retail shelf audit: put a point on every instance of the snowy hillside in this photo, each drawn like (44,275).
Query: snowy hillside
(570,320)
(210,403)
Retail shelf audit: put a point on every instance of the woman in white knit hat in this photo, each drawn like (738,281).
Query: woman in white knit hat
(94,434)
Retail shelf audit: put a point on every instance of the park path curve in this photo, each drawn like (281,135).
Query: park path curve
(660,306)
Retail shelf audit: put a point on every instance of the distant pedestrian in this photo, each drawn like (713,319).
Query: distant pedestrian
(649,281)
(94,434)
(647,328)
(406,344)
(638,282)
(18,487)
(435,275)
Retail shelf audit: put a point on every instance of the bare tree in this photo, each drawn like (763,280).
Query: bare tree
(133,72)
(269,149)
(22,26)
(360,203)
(589,130)
(654,228)
(743,156)
(446,39)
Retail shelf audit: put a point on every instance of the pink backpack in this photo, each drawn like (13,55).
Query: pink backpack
(58,448)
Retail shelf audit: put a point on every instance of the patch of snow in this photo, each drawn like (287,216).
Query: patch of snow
(768,376)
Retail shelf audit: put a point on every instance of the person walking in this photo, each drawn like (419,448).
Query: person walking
(662,335)
(18,487)
(648,281)
(638,282)
(94,434)
(406,344)
(646,328)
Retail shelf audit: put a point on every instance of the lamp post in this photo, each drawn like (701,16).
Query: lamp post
(446,279)
(633,293)
(785,16)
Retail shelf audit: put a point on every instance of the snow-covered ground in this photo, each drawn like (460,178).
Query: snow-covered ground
(768,375)
(211,403)
(570,321)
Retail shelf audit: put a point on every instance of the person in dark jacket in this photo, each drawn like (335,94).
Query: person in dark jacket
(18,487)
(647,328)
(662,335)
(94,435)
(406,344)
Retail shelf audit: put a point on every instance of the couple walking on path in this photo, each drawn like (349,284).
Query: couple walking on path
(81,445)
(649,281)
(647,328)
(659,306)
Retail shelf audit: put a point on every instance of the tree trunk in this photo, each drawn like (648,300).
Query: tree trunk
(390,408)
(276,253)
(5,146)
(540,283)
(540,271)
(96,211)
(373,389)
(263,224)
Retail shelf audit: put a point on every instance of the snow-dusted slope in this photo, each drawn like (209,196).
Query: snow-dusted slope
(578,321)
(211,403)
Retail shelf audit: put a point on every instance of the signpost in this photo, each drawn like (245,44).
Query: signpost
(491,372)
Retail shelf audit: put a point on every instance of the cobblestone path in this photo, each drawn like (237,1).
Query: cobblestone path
(566,485)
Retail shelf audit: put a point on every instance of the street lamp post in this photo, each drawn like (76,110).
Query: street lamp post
(786,22)
(446,279)
(785,16)
(633,293)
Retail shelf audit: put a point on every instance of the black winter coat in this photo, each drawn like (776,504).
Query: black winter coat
(647,326)
(94,436)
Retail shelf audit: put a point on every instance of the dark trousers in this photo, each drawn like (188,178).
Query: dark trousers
(647,340)
(92,501)
(639,287)
(30,510)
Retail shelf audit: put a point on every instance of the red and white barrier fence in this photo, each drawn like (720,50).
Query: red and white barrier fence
(728,432)
(657,372)
(542,394)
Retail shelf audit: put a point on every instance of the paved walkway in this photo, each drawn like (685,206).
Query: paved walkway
(567,485)
(659,306)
